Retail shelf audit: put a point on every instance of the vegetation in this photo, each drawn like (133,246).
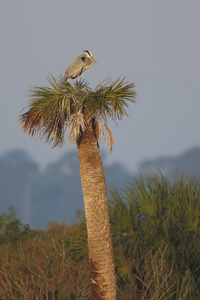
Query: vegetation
(155,229)
(84,112)
(43,265)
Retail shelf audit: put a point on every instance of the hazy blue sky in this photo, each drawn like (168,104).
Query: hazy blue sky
(156,44)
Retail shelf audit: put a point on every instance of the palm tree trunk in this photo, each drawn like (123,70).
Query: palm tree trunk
(97,218)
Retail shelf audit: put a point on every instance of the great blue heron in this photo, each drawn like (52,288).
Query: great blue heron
(79,65)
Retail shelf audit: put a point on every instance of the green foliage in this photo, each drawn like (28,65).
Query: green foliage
(156,235)
(156,228)
(11,229)
(53,110)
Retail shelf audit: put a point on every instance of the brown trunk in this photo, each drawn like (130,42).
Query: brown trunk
(96,211)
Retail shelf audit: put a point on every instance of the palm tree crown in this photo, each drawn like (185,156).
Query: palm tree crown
(54,109)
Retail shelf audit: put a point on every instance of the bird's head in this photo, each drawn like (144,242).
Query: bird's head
(89,54)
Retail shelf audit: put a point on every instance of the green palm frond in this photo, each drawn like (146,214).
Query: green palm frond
(155,227)
(54,109)
(112,98)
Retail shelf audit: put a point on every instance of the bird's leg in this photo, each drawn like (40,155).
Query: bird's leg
(77,79)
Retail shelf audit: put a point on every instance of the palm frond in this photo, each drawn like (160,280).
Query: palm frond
(111,140)
(76,125)
(110,100)
(155,229)
(49,109)
(113,98)
(54,109)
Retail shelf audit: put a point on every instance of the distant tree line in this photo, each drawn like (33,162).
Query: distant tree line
(156,236)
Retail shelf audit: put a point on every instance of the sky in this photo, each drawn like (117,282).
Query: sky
(154,43)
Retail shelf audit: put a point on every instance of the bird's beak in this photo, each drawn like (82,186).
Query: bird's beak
(94,60)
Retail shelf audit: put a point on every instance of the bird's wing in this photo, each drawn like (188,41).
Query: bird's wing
(75,67)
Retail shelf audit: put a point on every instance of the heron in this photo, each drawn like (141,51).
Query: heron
(79,65)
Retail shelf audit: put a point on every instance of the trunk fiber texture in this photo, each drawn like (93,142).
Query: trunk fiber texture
(98,226)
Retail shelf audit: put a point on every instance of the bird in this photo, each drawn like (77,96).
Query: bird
(79,65)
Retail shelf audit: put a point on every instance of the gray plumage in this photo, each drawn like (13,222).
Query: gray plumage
(79,65)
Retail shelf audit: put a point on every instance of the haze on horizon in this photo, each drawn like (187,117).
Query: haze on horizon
(155,44)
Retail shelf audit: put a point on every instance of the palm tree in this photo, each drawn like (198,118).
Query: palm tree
(84,112)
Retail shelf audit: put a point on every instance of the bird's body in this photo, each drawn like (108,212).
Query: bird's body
(79,65)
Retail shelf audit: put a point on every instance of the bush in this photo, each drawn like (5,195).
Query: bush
(156,235)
